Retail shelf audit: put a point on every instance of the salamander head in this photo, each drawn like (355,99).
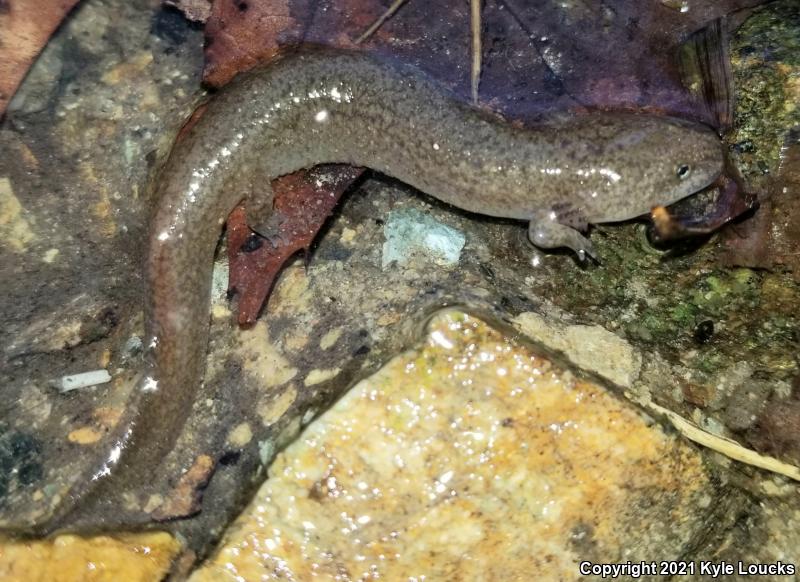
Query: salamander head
(690,159)
(652,161)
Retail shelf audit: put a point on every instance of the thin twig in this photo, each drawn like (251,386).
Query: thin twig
(381,19)
(725,446)
(475,27)
(475,6)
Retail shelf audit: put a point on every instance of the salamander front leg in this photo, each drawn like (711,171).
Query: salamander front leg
(261,216)
(545,231)
(259,206)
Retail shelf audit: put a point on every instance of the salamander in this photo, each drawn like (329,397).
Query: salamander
(330,106)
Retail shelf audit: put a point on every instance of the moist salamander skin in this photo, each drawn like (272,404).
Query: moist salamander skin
(313,107)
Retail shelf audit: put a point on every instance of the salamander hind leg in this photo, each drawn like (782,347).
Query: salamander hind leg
(547,231)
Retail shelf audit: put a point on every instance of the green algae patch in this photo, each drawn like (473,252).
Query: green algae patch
(765,56)
(718,294)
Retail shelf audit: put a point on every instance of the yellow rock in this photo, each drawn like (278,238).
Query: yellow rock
(262,360)
(295,340)
(472,458)
(102,209)
(128,69)
(220,311)
(389,318)
(15,230)
(318,376)
(291,293)
(274,407)
(85,435)
(50,255)
(67,558)
(589,346)
(348,235)
(329,339)
(28,157)
(240,435)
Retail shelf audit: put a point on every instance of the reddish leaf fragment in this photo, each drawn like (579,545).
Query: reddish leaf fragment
(772,235)
(185,499)
(303,201)
(242,33)
(25,26)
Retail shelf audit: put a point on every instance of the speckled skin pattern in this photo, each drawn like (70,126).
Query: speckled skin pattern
(317,107)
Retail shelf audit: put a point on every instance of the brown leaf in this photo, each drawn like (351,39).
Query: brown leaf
(241,33)
(25,26)
(772,235)
(538,57)
(302,204)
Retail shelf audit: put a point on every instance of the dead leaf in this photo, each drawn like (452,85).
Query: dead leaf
(25,27)
(303,201)
(538,57)
(772,235)
(185,499)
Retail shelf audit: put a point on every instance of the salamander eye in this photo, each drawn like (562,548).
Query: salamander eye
(683,171)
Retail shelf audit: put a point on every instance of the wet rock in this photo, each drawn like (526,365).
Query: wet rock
(590,347)
(20,462)
(81,319)
(15,230)
(765,58)
(746,403)
(41,84)
(777,429)
(410,231)
(139,557)
(455,457)
(765,140)
(72,189)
